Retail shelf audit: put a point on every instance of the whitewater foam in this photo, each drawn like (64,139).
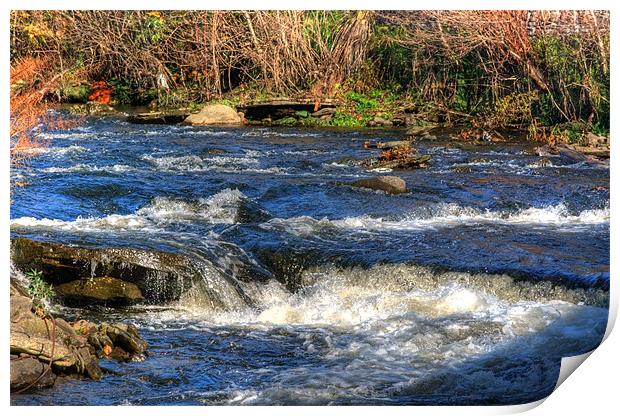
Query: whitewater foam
(82,167)
(221,208)
(448,215)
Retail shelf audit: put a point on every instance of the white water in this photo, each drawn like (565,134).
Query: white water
(400,325)
(446,215)
(220,208)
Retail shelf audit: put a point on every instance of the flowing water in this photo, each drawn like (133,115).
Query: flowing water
(468,289)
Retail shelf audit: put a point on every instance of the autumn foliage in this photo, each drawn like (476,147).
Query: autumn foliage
(29,116)
(100,92)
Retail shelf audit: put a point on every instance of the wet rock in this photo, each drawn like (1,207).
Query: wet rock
(43,347)
(28,371)
(428,136)
(393,144)
(388,184)
(160,276)
(212,151)
(214,114)
(127,344)
(99,290)
(462,169)
(542,163)
(417,131)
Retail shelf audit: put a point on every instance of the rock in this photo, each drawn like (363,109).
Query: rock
(106,290)
(393,144)
(542,163)
(212,151)
(214,114)
(327,111)
(462,169)
(43,346)
(388,184)
(161,277)
(286,121)
(380,121)
(416,131)
(594,140)
(126,338)
(27,371)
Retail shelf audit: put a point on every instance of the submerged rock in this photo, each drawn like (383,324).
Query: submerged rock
(462,169)
(388,184)
(157,276)
(214,114)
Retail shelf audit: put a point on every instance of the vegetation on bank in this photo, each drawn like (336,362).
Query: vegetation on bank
(484,69)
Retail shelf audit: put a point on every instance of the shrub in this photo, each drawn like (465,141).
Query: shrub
(38,289)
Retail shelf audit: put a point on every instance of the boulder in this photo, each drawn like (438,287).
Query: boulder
(28,371)
(388,184)
(106,290)
(214,114)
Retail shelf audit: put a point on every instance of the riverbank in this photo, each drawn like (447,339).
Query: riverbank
(298,113)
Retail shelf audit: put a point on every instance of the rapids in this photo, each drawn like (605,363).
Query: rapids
(466,290)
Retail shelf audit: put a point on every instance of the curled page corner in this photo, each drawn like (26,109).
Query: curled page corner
(570,364)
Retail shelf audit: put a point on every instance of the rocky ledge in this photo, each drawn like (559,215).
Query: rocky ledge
(44,348)
(114,277)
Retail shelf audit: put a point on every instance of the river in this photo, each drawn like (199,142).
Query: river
(468,289)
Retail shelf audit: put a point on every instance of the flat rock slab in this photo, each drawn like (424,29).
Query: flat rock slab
(388,184)
(285,107)
(160,276)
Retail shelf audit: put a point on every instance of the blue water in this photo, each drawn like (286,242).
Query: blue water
(465,290)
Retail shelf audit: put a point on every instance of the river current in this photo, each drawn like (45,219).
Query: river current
(467,289)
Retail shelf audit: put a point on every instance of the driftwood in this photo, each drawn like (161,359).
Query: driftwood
(413,162)
(387,145)
(157,117)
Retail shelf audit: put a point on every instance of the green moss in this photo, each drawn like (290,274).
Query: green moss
(341,119)
(76,93)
